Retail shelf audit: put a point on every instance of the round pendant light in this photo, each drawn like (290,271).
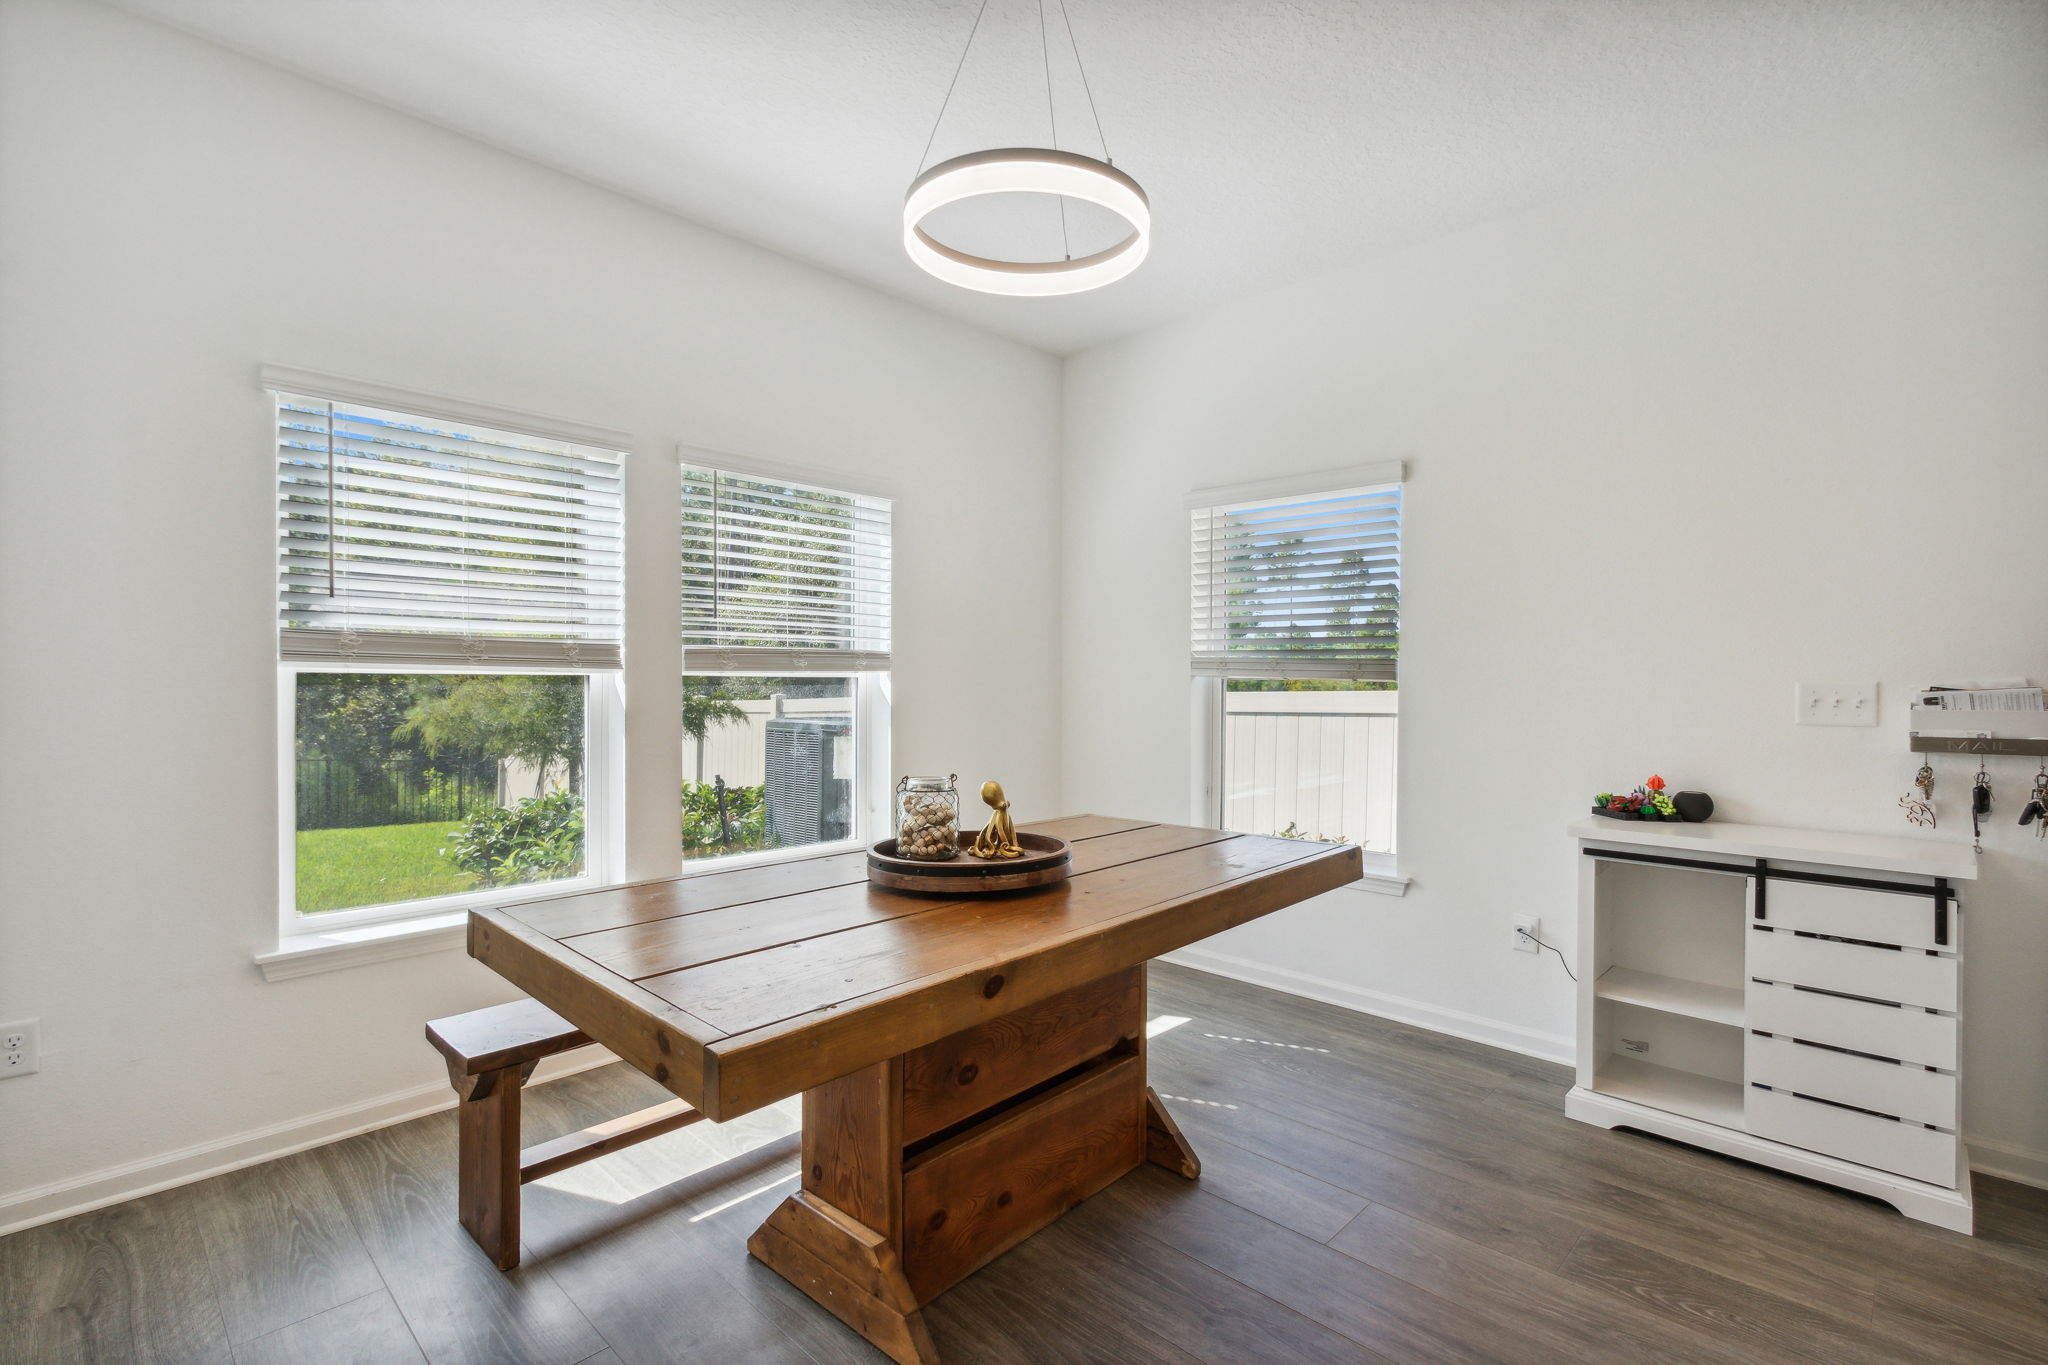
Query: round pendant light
(1027,170)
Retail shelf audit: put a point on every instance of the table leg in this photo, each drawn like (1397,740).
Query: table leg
(837,1238)
(919,1170)
(1164,1143)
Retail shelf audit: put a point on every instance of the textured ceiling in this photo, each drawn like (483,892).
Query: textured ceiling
(1276,140)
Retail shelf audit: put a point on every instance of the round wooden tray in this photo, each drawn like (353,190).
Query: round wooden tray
(1045,861)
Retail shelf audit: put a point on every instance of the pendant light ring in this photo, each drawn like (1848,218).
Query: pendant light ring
(1027,170)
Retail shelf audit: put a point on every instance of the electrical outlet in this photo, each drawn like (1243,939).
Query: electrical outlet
(1834,704)
(1528,934)
(19,1052)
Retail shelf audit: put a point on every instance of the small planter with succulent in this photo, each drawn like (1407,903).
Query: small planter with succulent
(1647,802)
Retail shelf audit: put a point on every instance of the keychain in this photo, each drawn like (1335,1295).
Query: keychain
(1919,802)
(2036,811)
(1980,806)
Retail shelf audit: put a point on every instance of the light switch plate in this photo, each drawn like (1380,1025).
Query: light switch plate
(1835,704)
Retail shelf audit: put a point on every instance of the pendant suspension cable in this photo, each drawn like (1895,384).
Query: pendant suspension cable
(1052,117)
(950,88)
(1080,67)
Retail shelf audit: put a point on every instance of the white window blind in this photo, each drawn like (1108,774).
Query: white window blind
(1301,586)
(783,577)
(413,541)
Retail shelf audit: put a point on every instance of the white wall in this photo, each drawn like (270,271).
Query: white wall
(1804,382)
(173,215)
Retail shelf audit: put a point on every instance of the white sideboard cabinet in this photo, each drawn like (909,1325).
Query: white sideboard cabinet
(1791,997)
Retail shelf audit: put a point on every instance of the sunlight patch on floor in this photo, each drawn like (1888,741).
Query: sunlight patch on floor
(1164,1023)
(1263,1042)
(1189,1099)
(630,1173)
(743,1198)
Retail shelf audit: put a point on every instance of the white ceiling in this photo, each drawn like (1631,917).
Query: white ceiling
(1276,140)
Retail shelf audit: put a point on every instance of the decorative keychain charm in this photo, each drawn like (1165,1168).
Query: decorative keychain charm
(2036,811)
(1980,806)
(1919,802)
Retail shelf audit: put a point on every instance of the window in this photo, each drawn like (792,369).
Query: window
(786,646)
(1295,599)
(449,639)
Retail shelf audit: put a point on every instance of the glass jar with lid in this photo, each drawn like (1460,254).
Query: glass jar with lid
(928,818)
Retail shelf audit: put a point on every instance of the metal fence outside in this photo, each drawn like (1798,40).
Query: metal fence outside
(337,795)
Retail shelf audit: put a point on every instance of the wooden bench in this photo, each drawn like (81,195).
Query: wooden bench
(490,1055)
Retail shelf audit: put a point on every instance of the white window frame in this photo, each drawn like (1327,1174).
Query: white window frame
(603,806)
(872,689)
(604,854)
(1207,695)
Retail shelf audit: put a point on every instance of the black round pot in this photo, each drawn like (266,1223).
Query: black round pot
(1693,806)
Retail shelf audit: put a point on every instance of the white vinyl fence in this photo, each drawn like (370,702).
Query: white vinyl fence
(1322,762)
(737,751)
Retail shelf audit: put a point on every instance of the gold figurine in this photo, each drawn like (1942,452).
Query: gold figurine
(998,839)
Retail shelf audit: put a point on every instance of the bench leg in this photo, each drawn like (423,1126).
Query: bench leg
(487,1140)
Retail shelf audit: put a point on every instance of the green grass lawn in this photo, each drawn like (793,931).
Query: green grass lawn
(342,868)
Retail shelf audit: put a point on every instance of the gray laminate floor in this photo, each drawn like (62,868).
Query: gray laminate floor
(1372,1194)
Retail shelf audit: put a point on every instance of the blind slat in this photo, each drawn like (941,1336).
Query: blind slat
(1299,587)
(781,577)
(413,542)
(419,482)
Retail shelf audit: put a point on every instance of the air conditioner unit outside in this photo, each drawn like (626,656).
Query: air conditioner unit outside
(807,799)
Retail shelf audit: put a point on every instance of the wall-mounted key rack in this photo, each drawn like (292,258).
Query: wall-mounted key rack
(1959,744)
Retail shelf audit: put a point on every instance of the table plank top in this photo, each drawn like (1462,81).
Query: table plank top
(737,988)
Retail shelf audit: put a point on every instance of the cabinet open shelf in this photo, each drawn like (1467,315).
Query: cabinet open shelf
(1706,1098)
(1672,995)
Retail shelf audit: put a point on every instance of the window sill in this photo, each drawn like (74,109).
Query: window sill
(768,857)
(1380,883)
(332,950)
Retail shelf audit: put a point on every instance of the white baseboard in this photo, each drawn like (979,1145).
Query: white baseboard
(2008,1162)
(1457,1023)
(133,1179)
(1999,1159)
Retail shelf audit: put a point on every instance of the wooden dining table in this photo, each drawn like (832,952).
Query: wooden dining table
(971,1068)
